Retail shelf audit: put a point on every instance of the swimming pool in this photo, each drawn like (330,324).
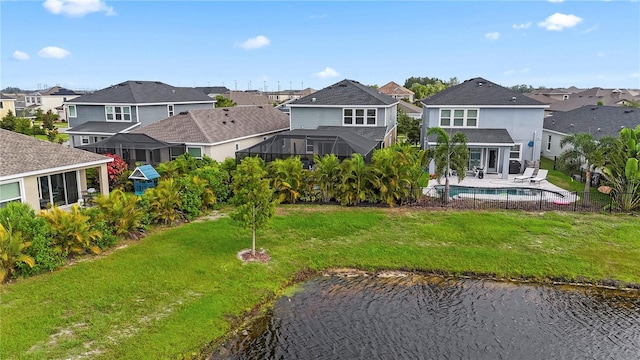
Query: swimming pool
(513,193)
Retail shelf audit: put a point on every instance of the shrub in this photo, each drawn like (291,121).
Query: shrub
(12,252)
(165,202)
(72,232)
(22,218)
(218,181)
(120,213)
(190,197)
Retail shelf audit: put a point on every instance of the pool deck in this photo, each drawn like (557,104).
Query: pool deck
(496,181)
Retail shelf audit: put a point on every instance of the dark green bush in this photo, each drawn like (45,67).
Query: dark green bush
(190,197)
(219,181)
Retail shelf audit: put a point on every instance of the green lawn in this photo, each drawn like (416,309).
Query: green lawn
(562,180)
(172,293)
(58,125)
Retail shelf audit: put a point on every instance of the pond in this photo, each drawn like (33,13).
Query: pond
(420,317)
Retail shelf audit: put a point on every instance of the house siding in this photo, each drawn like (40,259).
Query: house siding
(555,148)
(228,150)
(150,114)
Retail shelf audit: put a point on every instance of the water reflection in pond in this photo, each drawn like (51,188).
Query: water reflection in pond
(418,317)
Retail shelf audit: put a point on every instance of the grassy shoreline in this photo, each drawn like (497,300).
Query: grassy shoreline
(183,289)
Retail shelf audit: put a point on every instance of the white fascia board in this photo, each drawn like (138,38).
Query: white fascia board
(57,169)
(342,106)
(141,104)
(130,127)
(554,132)
(484,106)
(481,144)
(89,133)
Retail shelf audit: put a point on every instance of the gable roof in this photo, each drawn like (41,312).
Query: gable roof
(210,126)
(55,91)
(5,97)
(478,91)
(346,92)
(128,141)
(409,108)
(144,172)
(392,88)
(244,98)
(143,92)
(212,89)
(22,155)
(599,121)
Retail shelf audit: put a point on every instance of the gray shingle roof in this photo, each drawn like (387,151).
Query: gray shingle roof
(479,91)
(212,89)
(21,154)
(244,98)
(376,133)
(100,127)
(346,92)
(599,121)
(409,108)
(481,136)
(358,143)
(143,92)
(210,126)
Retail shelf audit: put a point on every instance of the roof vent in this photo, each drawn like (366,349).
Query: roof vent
(173,91)
(233,121)
(513,98)
(226,114)
(571,125)
(259,106)
(598,129)
(225,109)
(594,108)
(628,111)
(480,83)
(313,99)
(224,122)
(183,113)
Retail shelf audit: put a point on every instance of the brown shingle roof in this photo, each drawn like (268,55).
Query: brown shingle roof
(394,89)
(210,126)
(20,154)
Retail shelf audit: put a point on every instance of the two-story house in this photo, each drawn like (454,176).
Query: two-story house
(51,99)
(7,104)
(397,91)
(122,107)
(341,119)
(503,127)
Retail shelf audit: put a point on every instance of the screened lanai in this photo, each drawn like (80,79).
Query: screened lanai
(136,148)
(305,143)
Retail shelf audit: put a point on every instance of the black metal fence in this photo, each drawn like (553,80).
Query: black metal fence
(528,199)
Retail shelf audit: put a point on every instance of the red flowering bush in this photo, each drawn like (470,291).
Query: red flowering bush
(115,170)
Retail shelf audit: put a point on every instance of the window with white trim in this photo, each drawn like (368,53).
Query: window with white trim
(515,151)
(548,142)
(170,110)
(72,111)
(118,113)
(459,117)
(195,151)
(84,140)
(9,192)
(38,100)
(364,117)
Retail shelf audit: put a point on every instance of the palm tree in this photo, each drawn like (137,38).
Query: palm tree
(327,172)
(353,180)
(287,177)
(622,170)
(585,151)
(12,247)
(390,176)
(450,153)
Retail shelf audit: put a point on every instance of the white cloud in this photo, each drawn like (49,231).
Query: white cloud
(492,36)
(327,73)
(77,8)
(254,43)
(635,75)
(522,26)
(53,52)
(556,1)
(558,22)
(19,55)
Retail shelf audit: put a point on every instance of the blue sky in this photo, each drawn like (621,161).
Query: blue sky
(91,44)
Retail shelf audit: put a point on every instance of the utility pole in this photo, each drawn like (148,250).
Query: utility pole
(278,85)
(236,84)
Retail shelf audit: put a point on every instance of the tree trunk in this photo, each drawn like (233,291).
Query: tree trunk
(446,189)
(253,242)
(587,187)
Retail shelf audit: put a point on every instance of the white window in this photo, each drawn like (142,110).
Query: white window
(9,192)
(72,111)
(84,140)
(365,117)
(28,99)
(170,110)
(459,117)
(118,113)
(195,151)
(38,100)
(237,146)
(514,152)
(549,143)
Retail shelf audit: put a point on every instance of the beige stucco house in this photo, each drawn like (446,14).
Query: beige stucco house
(42,173)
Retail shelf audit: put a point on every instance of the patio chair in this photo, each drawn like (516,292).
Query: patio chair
(527,174)
(540,176)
